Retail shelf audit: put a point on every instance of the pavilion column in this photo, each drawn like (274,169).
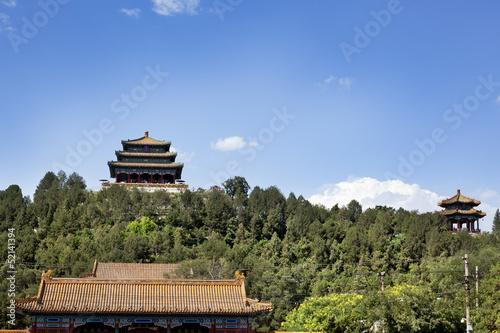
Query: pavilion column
(117,327)
(128,180)
(33,326)
(138,177)
(71,327)
(174,179)
(458,228)
(151,178)
(169,330)
(161,178)
(212,327)
(116,178)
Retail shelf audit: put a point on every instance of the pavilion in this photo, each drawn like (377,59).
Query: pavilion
(147,164)
(459,211)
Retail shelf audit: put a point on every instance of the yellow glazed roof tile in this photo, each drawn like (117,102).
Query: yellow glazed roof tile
(84,295)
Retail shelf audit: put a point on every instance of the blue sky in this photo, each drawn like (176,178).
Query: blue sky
(387,102)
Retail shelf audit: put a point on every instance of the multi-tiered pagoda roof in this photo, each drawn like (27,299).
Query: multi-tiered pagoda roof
(460,209)
(147,163)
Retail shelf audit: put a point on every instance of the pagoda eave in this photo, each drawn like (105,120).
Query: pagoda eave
(119,153)
(147,165)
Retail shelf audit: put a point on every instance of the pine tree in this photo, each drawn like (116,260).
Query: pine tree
(496,222)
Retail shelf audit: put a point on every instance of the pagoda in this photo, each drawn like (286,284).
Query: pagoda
(459,211)
(147,164)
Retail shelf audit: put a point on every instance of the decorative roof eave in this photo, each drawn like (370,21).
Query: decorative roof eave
(146,140)
(143,154)
(169,297)
(459,198)
(147,165)
(457,211)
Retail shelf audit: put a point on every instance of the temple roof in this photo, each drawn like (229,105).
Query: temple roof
(152,165)
(457,211)
(132,296)
(146,140)
(143,154)
(459,198)
(130,271)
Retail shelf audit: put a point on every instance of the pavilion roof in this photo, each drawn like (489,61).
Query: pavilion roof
(146,140)
(105,271)
(155,165)
(459,198)
(144,154)
(132,296)
(457,211)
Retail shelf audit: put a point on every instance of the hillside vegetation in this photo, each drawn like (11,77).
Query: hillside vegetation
(319,267)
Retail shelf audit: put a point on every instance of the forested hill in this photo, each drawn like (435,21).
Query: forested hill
(289,249)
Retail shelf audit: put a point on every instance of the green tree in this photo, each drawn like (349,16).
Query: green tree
(487,317)
(496,222)
(236,187)
(332,313)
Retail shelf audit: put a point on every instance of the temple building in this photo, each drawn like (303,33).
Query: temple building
(147,164)
(460,213)
(118,298)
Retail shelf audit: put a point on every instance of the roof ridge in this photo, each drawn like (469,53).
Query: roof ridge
(96,280)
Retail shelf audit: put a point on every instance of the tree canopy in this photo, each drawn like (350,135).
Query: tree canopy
(318,266)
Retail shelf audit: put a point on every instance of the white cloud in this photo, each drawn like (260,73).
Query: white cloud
(131,12)
(329,79)
(172,7)
(370,192)
(345,82)
(182,156)
(342,82)
(9,3)
(498,99)
(231,143)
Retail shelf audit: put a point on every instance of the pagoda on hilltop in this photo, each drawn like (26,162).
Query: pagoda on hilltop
(147,164)
(459,211)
